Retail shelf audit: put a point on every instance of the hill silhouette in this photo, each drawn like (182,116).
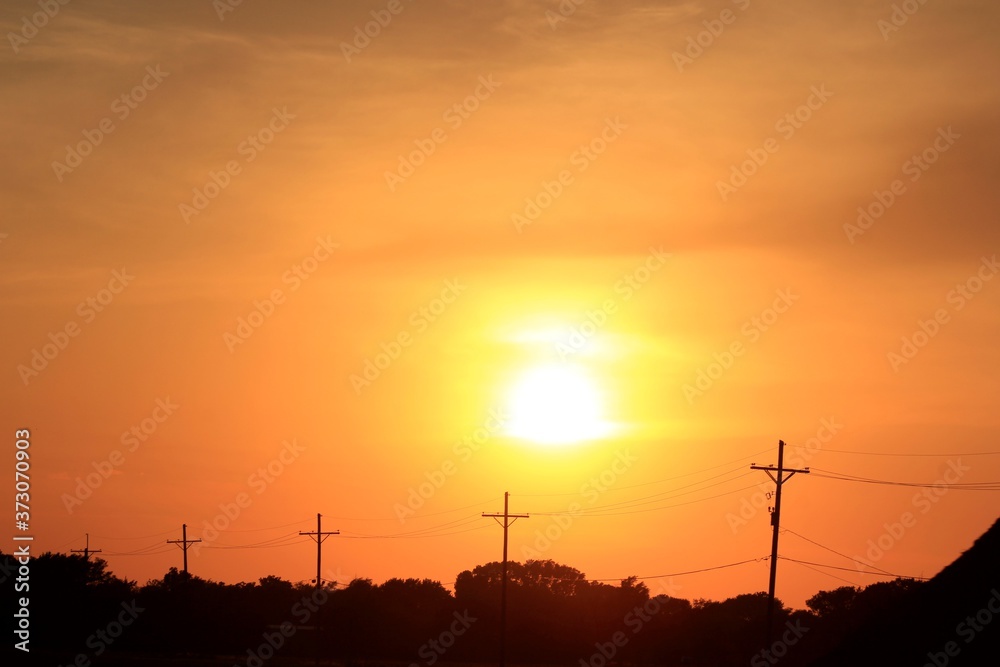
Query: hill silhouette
(953,619)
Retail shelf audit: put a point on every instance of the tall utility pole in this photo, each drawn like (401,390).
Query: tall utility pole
(184,543)
(86,550)
(319,536)
(779,480)
(508,519)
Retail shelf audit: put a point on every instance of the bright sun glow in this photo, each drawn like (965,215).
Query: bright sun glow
(556,405)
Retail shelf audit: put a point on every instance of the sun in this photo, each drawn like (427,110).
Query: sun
(556,405)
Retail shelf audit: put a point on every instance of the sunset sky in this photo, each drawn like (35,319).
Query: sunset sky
(601,255)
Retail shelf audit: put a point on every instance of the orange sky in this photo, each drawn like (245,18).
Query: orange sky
(563,168)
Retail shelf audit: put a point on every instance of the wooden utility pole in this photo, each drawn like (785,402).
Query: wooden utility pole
(779,480)
(86,550)
(319,536)
(508,519)
(184,543)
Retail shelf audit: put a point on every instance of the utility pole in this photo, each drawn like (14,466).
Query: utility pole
(508,520)
(184,543)
(86,550)
(319,536)
(779,480)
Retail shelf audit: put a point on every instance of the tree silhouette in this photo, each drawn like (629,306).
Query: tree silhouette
(556,616)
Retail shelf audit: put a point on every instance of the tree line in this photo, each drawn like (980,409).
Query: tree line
(82,614)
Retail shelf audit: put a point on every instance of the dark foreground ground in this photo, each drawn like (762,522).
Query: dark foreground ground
(138,660)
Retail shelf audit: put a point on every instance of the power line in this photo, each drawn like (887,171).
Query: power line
(418,516)
(411,537)
(147,553)
(652,509)
(789,530)
(847,569)
(282,541)
(66,544)
(258,530)
(672,574)
(456,532)
(422,532)
(227,530)
(762,559)
(141,537)
(661,481)
(148,550)
(828,574)
(941,454)
(285,540)
(964,486)
(600,509)
(669,495)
